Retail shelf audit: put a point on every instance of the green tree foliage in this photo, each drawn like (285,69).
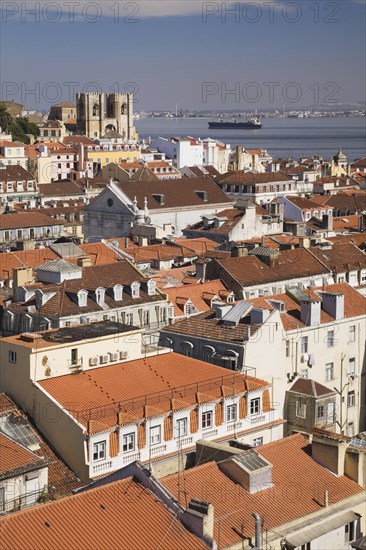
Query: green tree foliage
(17,127)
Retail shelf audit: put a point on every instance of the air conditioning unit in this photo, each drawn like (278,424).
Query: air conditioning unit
(123,355)
(93,361)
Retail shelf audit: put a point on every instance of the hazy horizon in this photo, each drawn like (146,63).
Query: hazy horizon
(196,55)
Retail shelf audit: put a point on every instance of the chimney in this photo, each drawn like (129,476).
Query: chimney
(199,519)
(201,268)
(310,312)
(333,304)
(239,251)
(330,451)
(22,276)
(257,540)
(84,261)
(327,222)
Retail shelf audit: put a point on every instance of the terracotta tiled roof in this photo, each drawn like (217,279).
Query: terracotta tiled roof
(292,264)
(306,386)
(179,192)
(234,505)
(355,238)
(63,302)
(206,325)
(24,258)
(199,245)
(61,480)
(16,459)
(108,517)
(29,219)
(173,277)
(341,257)
(303,203)
(347,223)
(15,173)
(200,295)
(129,387)
(354,304)
(252,178)
(66,188)
(345,201)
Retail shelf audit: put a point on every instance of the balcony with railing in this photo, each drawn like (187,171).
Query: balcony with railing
(23,500)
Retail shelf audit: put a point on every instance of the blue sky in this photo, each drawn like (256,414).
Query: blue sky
(186,53)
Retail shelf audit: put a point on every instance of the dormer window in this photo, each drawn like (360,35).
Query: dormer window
(135,290)
(117,291)
(151,287)
(100,294)
(82,298)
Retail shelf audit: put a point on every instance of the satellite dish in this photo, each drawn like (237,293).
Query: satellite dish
(44,360)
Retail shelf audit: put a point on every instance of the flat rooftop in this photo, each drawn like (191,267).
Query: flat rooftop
(66,335)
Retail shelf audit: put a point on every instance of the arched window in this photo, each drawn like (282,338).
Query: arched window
(96,110)
(135,289)
(151,285)
(230,359)
(100,294)
(82,297)
(187,348)
(208,352)
(124,109)
(117,292)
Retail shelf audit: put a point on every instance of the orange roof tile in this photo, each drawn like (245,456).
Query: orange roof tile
(200,295)
(130,387)
(103,517)
(15,459)
(233,505)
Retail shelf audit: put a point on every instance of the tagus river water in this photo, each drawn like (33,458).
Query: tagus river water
(283,138)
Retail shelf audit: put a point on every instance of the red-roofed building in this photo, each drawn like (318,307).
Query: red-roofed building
(119,401)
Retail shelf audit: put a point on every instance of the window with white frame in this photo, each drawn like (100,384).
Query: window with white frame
(182,427)
(146,317)
(231,413)
(128,443)
(99,450)
(207,419)
(255,405)
(155,435)
(300,409)
(330,339)
(350,429)
(208,352)
(12,356)
(352,333)
(329,372)
(304,373)
(129,318)
(304,344)
(320,412)
(187,348)
(351,365)
(257,441)
(135,290)
(351,399)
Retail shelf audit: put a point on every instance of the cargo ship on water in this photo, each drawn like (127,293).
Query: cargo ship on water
(252,124)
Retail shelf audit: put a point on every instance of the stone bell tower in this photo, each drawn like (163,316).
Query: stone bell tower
(90,114)
(120,114)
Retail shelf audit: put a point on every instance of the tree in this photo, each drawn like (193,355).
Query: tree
(6,119)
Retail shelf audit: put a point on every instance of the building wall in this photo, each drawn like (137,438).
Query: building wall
(339,355)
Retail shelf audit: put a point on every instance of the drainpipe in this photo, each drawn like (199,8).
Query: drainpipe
(257,540)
